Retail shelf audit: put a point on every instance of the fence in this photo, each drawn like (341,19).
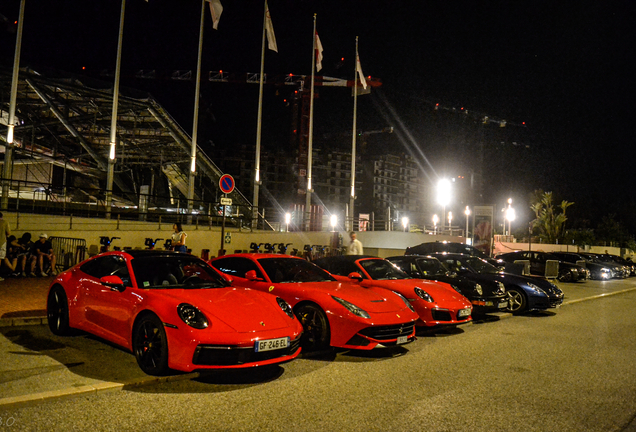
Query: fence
(68,251)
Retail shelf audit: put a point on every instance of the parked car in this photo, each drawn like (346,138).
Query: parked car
(567,271)
(452,247)
(436,303)
(485,296)
(628,265)
(333,313)
(527,293)
(598,271)
(620,271)
(173,311)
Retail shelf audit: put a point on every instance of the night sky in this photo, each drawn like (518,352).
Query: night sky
(562,68)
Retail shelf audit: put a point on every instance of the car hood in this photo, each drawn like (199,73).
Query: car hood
(442,292)
(242,310)
(522,281)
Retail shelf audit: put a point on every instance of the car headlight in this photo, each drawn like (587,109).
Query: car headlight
(479,289)
(352,308)
(406,302)
(536,288)
(192,316)
(423,295)
(285,307)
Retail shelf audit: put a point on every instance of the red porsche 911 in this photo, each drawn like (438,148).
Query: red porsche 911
(173,311)
(333,313)
(437,303)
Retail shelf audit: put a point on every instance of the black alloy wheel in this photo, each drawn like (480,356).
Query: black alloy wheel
(57,312)
(517,301)
(150,345)
(316,333)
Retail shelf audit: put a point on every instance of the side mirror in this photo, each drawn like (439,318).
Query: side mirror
(114,282)
(355,276)
(252,276)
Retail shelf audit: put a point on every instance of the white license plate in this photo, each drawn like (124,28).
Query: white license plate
(463,313)
(402,340)
(271,344)
(502,305)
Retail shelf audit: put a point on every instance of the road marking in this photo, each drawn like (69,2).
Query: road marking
(599,296)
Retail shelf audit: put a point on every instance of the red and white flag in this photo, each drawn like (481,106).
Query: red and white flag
(216,9)
(359,69)
(269,28)
(318,53)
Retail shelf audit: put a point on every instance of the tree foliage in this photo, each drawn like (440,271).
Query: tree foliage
(550,221)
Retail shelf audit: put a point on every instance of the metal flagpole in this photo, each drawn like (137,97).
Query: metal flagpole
(257,159)
(353,140)
(311,132)
(195,122)
(113,121)
(8,156)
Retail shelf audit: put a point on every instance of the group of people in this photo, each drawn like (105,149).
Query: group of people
(24,257)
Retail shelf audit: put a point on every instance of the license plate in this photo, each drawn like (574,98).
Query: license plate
(402,340)
(463,313)
(271,344)
(502,305)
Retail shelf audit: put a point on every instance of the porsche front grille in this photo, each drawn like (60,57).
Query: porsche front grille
(215,355)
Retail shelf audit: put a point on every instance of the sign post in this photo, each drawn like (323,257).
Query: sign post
(226,184)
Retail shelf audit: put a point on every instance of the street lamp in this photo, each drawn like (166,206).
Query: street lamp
(405,222)
(334,222)
(467,213)
(435,220)
(510,216)
(287,220)
(450,218)
(443,196)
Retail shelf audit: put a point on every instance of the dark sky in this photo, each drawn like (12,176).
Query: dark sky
(563,68)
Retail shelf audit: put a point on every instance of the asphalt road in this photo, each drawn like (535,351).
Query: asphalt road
(572,369)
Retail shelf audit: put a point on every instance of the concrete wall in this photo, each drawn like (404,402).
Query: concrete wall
(503,247)
(134,233)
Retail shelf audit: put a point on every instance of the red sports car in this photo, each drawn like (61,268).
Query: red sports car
(340,314)
(173,311)
(437,303)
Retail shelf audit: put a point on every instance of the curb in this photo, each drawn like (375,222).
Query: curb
(22,321)
(36,398)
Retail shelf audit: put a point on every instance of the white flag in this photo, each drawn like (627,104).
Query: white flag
(216,9)
(359,69)
(318,53)
(269,28)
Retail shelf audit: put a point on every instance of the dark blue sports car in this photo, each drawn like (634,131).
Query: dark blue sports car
(527,293)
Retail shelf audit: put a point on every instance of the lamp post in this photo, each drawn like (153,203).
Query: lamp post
(334,222)
(510,216)
(467,213)
(287,220)
(405,222)
(435,220)
(443,196)
(450,219)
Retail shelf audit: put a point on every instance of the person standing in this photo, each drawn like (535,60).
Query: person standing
(179,238)
(5,232)
(355,247)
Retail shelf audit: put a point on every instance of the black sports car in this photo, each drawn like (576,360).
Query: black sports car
(485,296)
(526,292)
(598,270)
(567,271)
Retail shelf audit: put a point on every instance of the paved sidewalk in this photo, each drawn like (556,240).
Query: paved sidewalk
(23,300)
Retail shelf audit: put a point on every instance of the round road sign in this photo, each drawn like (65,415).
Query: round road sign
(226,183)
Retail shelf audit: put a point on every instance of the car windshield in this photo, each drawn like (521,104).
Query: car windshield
(380,269)
(175,271)
(481,266)
(293,270)
(431,267)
